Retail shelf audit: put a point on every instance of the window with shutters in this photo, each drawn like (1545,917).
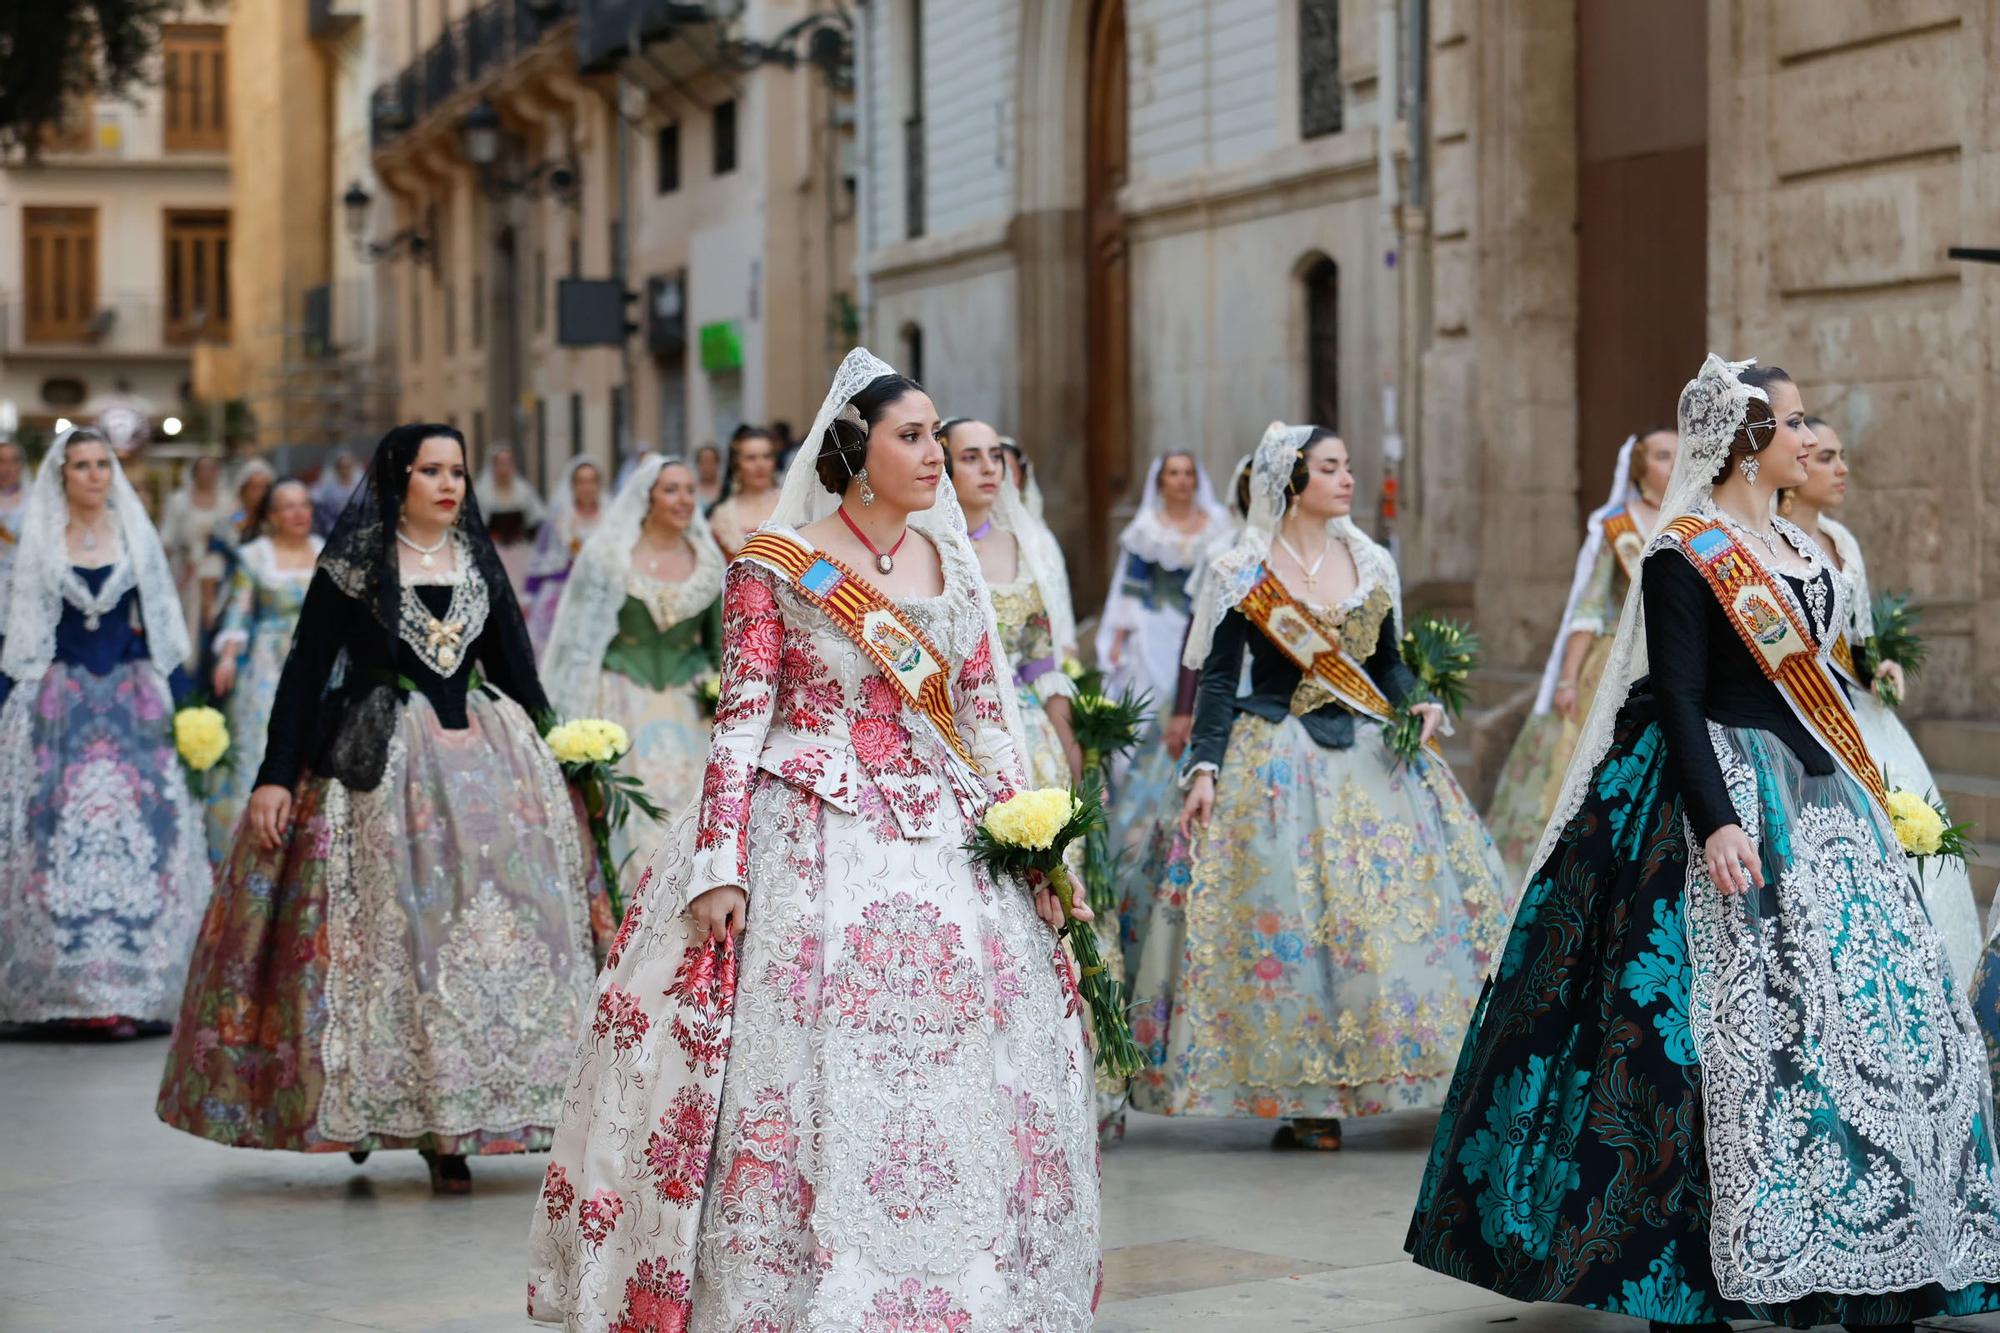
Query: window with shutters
(58,273)
(723,144)
(197,276)
(193,91)
(1319,68)
(78,131)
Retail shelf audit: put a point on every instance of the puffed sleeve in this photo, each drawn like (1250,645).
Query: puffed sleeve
(753,644)
(981,712)
(1677,645)
(1385,666)
(239,613)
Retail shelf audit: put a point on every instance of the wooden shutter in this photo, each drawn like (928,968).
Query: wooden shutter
(197,276)
(194,91)
(59,272)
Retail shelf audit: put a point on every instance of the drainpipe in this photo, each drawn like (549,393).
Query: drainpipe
(1414,234)
(1389,109)
(864,201)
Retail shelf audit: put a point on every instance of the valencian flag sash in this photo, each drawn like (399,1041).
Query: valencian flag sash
(1621,534)
(1271,607)
(1777,635)
(871,622)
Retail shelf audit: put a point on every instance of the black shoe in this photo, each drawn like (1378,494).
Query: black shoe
(358,1157)
(449,1173)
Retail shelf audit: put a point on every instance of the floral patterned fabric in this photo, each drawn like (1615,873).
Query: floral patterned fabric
(1657,1068)
(103,870)
(872,1114)
(258,618)
(410,969)
(1317,951)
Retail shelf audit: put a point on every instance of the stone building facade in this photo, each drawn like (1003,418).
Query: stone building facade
(1484,239)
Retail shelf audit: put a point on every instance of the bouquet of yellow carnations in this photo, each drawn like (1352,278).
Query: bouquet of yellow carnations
(1029,833)
(1924,828)
(587,749)
(201,738)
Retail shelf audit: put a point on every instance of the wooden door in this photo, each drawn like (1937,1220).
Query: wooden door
(1107,305)
(59,273)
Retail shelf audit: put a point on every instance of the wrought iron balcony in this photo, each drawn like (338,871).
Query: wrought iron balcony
(607,29)
(469,51)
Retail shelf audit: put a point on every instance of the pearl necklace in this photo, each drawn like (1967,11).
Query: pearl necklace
(425,554)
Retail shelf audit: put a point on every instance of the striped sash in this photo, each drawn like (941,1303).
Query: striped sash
(1780,640)
(1271,607)
(1622,535)
(871,622)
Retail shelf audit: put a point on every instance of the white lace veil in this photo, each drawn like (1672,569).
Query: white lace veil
(1713,407)
(41,573)
(1231,576)
(1148,536)
(552,554)
(802,500)
(1042,560)
(587,617)
(1855,570)
(1622,493)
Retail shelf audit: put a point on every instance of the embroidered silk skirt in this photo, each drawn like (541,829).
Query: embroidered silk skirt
(873,1114)
(1145,811)
(1684,1105)
(103,867)
(1532,777)
(1318,950)
(410,969)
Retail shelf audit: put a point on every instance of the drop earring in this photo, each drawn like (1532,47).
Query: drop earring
(1750,467)
(867,491)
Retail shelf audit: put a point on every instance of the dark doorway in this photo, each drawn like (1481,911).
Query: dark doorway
(1107,317)
(1322,279)
(1642,152)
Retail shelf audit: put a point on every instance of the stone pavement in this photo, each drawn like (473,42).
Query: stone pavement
(111,1222)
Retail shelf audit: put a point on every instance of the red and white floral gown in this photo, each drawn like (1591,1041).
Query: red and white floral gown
(875,1115)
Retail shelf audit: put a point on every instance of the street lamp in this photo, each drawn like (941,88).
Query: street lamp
(170,427)
(357,204)
(480,135)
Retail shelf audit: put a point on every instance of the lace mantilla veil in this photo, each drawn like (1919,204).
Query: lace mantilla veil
(1622,493)
(41,578)
(1713,407)
(1230,577)
(802,500)
(1042,560)
(587,618)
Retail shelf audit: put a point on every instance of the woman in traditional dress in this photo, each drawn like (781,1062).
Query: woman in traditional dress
(640,624)
(1947,886)
(1722,1071)
(103,871)
(1340,904)
(1145,811)
(868,1107)
(749,490)
(188,519)
(13,508)
(335,487)
(1180,523)
(707,476)
(398,953)
(259,613)
(573,514)
(1615,537)
(514,512)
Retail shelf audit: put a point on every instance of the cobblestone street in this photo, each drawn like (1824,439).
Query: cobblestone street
(111,1222)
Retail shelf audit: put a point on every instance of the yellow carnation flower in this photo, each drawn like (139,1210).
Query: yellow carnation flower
(1919,827)
(1031,819)
(1073,668)
(201,736)
(590,740)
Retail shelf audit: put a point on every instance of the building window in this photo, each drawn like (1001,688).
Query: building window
(1319,68)
(913,352)
(541,291)
(197,276)
(575,424)
(618,445)
(724,133)
(194,91)
(450,320)
(1322,279)
(542,438)
(59,272)
(667,159)
(913,128)
(478,310)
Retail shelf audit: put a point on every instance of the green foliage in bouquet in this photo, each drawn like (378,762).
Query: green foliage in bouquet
(1895,640)
(1442,654)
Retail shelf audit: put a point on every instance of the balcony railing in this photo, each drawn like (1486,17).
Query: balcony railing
(605,29)
(470,50)
(137,326)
